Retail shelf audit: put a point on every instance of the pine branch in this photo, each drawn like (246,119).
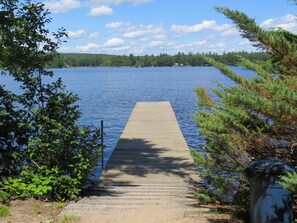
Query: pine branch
(204,99)
(254,67)
(278,42)
(226,71)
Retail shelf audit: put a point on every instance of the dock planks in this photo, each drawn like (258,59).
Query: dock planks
(150,174)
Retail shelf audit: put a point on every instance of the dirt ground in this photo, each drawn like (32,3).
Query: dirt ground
(34,211)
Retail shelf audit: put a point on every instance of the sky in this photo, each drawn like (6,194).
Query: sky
(145,27)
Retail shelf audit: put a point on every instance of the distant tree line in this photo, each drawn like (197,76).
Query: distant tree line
(162,60)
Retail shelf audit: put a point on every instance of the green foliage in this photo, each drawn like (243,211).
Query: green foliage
(70,219)
(205,100)
(12,136)
(45,183)
(203,198)
(4,211)
(60,204)
(198,157)
(289,182)
(44,152)
(180,59)
(4,197)
(255,119)
(280,43)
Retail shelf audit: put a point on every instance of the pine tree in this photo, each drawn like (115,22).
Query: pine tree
(255,119)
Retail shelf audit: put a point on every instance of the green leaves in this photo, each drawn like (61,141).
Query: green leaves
(255,119)
(45,184)
(44,152)
(281,44)
(289,182)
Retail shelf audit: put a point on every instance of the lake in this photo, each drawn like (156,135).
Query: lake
(110,94)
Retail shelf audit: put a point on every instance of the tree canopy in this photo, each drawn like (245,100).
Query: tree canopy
(255,119)
(179,59)
(43,150)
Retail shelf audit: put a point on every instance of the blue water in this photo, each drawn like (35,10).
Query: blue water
(110,94)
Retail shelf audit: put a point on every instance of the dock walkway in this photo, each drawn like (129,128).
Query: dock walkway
(150,174)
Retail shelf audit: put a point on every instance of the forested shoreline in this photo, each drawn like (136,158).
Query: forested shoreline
(65,60)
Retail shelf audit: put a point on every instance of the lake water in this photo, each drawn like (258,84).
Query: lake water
(110,94)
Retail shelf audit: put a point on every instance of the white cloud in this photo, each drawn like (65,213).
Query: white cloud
(287,22)
(156,43)
(60,6)
(285,19)
(289,18)
(206,24)
(76,34)
(232,31)
(218,46)
(140,39)
(245,43)
(117,2)
(136,34)
(144,39)
(114,42)
(114,25)
(117,49)
(159,37)
(100,11)
(289,26)
(139,31)
(95,35)
(88,48)
(267,23)
(225,30)
(98,7)
(191,45)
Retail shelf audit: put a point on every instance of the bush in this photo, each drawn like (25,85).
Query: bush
(50,185)
(43,150)
(4,197)
(4,211)
(203,198)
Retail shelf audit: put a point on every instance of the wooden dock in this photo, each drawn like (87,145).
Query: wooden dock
(150,174)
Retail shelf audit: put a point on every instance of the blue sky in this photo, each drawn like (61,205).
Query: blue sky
(161,26)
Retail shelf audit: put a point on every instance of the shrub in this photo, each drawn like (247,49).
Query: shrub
(44,152)
(4,197)
(4,211)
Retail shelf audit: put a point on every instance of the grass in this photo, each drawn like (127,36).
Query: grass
(60,204)
(32,210)
(4,211)
(70,219)
(203,198)
(35,209)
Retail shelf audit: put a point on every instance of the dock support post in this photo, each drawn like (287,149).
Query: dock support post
(102,146)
